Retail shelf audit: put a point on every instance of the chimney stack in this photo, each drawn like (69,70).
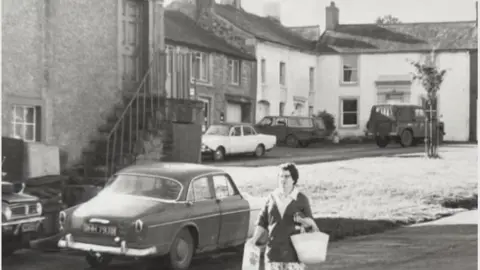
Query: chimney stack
(204,6)
(331,17)
(272,9)
(236,3)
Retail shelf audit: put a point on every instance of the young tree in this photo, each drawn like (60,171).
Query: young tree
(388,19)
(431,78)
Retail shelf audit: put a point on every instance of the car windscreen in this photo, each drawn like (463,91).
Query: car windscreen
(144,185)
(217,130)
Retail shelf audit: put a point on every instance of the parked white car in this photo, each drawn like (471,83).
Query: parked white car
(231,139)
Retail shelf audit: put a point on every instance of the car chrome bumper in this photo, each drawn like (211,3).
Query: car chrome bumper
(21,221)
(68,242)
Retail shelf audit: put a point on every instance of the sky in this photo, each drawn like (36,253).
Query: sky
(312,12)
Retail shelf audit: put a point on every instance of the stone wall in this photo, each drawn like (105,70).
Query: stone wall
(61,55)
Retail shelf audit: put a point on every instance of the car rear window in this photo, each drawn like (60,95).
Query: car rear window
(144,185)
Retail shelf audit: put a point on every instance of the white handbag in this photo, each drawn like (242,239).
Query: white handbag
(311,247)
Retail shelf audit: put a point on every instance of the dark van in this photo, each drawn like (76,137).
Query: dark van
(293,130)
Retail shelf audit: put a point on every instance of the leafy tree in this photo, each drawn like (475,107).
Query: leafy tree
(431,78)
(388,19)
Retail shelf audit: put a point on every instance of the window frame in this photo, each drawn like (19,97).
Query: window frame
(204,72)
(232,63)
(282,73)
(263,71)
(36,123)
(353,69)
(311,78)
(342,112)
(191,189)
(229,182)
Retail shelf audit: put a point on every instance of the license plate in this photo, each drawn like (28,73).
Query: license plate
(100,229)
(29,227)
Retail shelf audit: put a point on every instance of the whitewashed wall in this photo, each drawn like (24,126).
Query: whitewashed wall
(453,95)
(297,72)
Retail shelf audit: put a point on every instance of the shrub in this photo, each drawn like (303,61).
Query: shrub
(328,119)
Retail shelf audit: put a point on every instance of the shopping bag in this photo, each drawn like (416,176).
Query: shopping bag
(253,256)
(311,247)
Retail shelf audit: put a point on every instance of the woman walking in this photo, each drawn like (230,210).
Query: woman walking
(285,212)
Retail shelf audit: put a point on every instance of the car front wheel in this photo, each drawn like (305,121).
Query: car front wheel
(181,252)
(219,154)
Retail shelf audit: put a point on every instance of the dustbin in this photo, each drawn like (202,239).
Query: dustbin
(50,212)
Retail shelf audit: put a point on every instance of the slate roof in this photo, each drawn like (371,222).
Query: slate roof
(181,29)
(311,32)
(263,28)
(405,37)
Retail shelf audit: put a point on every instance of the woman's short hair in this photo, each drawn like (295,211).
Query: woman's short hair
(292,169)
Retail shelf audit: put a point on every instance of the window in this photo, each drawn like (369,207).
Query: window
(350,69)
(223,186)
(169,51)
(201,66)
(310,111)
(234,71)
(282,74)
(300,122)
(263,70)
(312,79)
(200,190)
(236,131)
(280,122)
(137,185)
(267,121)
(26,123)
(281,108)
(349,109)
(247,131)
(419,113)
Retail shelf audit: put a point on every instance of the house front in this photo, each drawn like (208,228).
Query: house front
(223,77)
(286,62)
(366,64)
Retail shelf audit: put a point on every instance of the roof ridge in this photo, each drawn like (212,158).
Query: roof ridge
(410,23)
(305,26)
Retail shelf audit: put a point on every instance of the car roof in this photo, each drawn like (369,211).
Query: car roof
(398,105)
(230,124)
(289,116)
(183,172)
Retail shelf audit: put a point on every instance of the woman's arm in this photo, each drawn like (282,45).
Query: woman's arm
(308,221)
(262,223)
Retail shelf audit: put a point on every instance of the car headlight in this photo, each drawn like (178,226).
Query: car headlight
(39,208)
(7,212)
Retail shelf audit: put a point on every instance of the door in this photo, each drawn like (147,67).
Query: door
(234,113)
(235,140)
(263,110)
(250,139)
(204,211)
(133,47)
(234,212)
(206,113)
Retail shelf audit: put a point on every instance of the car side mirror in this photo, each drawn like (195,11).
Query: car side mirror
(188,203)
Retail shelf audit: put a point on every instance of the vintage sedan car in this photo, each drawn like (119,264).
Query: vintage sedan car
(231,139)
(166,211)
(21,219)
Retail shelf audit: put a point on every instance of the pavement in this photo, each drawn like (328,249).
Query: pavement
(446,244)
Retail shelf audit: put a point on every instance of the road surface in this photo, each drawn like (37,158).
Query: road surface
(433,247)
(315,154)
